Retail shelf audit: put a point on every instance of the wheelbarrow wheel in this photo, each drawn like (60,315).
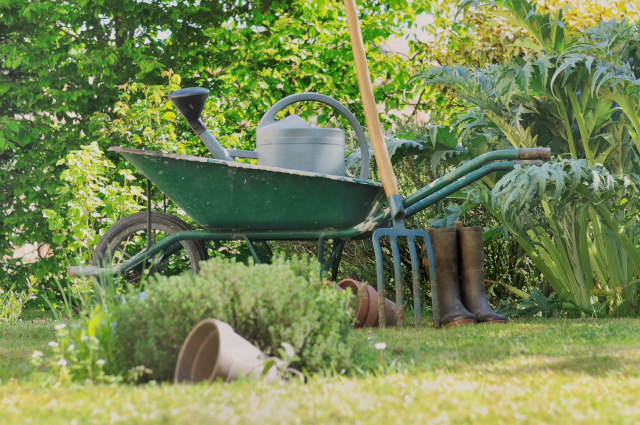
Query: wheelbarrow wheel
(128,237)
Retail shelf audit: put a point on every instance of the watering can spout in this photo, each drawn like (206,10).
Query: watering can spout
(190,103)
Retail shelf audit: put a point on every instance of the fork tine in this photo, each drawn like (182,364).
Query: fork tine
(435,304)
(415,273)
(377,249)
(411,235)
(397,268)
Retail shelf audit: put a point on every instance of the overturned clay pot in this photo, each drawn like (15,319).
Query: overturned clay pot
(214,351)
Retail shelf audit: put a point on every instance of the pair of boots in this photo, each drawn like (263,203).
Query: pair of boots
(459,258)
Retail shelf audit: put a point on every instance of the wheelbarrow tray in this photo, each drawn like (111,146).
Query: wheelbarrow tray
(236,196)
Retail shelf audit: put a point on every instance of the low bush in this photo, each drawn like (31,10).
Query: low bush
(267,304)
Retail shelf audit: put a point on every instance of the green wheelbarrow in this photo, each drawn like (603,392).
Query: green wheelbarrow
(256,204)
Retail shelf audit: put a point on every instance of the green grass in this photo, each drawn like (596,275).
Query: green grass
(527,372)
(588,342)
(19,340)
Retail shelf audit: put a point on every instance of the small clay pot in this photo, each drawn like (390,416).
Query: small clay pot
(364,307)
(367,312)
(372,316)
(389,312)
(364,310)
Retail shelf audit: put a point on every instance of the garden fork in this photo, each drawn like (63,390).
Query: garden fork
(398,230)
(391,190)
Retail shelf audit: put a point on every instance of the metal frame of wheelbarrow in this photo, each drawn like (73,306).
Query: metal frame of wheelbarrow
(438,189)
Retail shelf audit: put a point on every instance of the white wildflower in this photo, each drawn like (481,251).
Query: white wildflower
(53,344)
(101,362)
(60,326)
(62,362)
(380,346)
(37,354)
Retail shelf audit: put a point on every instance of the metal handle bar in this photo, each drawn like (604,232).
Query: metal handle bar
(465,169)
(474,164)
(269,116)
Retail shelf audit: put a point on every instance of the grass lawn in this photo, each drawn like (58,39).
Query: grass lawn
(19,340)
(527,372)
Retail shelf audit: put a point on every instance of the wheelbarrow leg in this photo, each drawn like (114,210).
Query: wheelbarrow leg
(260,251)
(149,238)
(338,247)
(333,262)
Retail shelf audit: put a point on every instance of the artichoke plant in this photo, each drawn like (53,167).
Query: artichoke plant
(578,93)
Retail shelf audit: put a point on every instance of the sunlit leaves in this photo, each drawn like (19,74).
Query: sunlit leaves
(86,198)
(554,182)
(64,66)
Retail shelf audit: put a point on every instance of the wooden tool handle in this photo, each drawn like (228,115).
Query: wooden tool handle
(543,154)
(370,111)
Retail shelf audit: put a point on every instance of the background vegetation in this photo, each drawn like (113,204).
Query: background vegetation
(64,67)
(78,77)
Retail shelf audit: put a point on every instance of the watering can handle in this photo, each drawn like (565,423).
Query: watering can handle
(380,152)
(269,116)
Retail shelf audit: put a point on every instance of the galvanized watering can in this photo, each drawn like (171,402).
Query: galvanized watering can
(292,143)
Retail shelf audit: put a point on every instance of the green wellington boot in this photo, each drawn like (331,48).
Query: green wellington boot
(471,254)
(445,251)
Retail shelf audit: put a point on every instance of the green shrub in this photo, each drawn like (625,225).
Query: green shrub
(267,304)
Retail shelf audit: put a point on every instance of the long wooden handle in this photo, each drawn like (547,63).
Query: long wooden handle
(370,111)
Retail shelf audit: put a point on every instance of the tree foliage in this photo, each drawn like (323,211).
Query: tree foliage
(61,66)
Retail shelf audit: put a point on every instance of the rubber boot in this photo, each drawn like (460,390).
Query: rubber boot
(471,255)
(445,251)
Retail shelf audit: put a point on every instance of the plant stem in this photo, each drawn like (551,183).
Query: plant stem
(567,127)
(625,103)
(584,134)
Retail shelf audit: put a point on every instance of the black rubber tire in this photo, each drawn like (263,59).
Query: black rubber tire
(124,229)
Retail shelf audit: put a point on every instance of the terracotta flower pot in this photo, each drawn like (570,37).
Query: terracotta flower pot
(367,311)
(389,312)
(213,351)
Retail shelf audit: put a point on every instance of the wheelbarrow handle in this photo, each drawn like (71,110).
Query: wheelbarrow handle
(371,113)
(543,154)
